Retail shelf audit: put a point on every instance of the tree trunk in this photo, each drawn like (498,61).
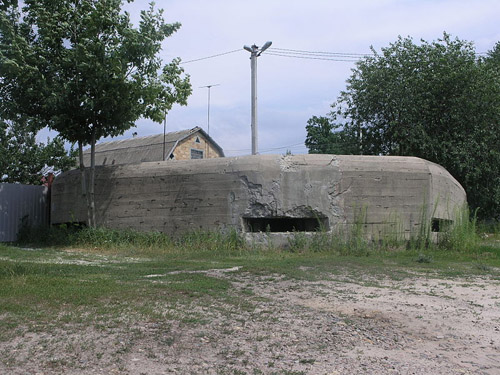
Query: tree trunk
(84,182)
(92,178)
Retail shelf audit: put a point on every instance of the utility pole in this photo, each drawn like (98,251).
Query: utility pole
(208,112)
(255,52)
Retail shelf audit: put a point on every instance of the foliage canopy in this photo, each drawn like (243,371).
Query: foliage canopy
(437,101)
(81,68)
(23,159)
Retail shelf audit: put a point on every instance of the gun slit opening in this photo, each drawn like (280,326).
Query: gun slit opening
(284,224)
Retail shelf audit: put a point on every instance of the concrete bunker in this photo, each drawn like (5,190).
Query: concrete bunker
(267,193)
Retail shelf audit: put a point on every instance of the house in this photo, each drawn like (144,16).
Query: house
(187,144)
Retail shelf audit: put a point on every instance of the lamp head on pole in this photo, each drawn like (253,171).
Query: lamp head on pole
(266,46)
(254,49)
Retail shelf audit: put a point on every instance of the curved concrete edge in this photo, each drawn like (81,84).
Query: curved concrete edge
(381,193)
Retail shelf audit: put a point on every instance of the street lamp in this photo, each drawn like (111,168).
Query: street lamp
(255,52)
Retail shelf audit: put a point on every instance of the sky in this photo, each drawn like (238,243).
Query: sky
(291,90)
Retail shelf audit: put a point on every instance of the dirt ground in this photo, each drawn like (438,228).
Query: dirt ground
(340,325)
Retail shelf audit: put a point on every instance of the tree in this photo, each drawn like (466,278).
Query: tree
(81,68)
(493,56)
(326,136)
(23,159)
(438,101)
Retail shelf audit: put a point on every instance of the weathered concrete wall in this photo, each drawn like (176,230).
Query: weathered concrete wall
(384,193)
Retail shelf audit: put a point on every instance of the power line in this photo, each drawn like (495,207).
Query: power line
(302,52)
(269,149)
(311,58)
(316,55)
(211,57)
(300,145)
(324,53)
(282,147)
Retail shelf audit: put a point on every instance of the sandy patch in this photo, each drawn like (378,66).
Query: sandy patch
(279,326)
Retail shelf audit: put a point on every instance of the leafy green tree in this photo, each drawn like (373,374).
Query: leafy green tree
(326,136)
(493,57)
(438,101)
(23,159)
(81,68)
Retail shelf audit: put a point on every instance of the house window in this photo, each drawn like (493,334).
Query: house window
(197,140)
(196,154)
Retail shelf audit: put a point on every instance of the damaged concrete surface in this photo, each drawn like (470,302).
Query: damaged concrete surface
(383,193)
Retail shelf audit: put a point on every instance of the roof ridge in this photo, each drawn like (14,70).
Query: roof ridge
(126,140)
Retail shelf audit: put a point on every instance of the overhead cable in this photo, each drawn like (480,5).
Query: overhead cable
(211,57)
(311,57)
(302,54)
(269,149)
(319,53)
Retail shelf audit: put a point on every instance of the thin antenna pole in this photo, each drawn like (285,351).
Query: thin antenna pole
(164,133)
(208,111)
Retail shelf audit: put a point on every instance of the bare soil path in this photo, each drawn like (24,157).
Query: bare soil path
(277,325)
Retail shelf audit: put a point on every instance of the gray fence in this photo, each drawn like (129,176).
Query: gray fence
(21,204)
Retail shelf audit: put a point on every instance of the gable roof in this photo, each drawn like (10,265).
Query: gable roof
(141,149)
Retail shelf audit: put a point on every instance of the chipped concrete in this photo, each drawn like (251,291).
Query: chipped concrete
(385,193)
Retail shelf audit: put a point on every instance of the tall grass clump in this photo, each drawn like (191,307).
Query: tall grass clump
(298,242)
(357,242)
(223,241)
(105,238)
(351,239)
(215,242)
(422,240)
(392,234)
(345,239)
(462,235)
(96,238)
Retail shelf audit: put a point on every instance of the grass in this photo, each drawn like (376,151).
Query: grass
(58,282)
(54,294)
(98,276)
(110,281)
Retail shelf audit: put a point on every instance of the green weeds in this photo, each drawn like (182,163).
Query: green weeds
(462,236)
(105,276)
(357,238)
